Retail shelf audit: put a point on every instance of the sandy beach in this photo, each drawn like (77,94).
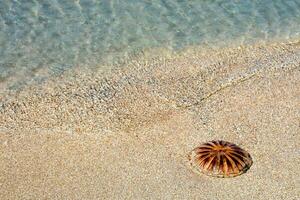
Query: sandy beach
(126,134)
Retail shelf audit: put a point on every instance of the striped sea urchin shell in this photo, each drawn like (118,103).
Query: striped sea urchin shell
(220,159)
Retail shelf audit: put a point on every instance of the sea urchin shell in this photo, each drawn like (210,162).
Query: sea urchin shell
(220,159)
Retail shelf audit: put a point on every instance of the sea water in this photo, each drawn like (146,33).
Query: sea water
(41,38)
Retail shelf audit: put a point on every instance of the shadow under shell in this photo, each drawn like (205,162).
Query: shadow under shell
(220,159)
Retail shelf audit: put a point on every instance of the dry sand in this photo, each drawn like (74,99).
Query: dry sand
(126,135)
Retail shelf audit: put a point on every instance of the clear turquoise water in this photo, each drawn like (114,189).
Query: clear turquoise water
(51,36)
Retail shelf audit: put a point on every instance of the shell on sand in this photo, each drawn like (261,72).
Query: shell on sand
(220,159)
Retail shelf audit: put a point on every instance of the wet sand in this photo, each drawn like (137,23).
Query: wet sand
(127,134)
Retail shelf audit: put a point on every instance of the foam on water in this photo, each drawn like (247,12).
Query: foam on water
(39,38)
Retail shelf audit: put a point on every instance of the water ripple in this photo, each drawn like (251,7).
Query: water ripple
(59,34)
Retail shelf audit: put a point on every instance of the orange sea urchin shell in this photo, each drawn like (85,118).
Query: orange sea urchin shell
(220,159)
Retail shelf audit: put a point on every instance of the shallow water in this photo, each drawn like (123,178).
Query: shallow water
(39,38)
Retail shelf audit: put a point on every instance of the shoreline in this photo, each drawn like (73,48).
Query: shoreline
(42,75)
(126,134)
